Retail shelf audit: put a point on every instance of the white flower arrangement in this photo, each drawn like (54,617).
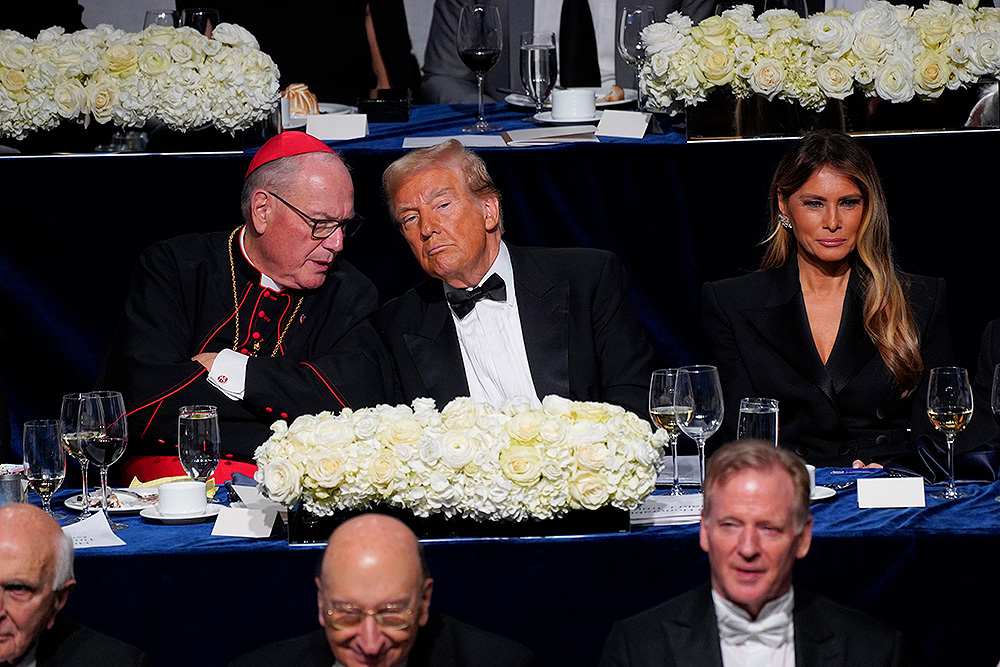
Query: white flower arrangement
(885,50)
(469,460)
(107,75)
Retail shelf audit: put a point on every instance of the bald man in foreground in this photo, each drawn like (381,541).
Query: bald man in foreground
(36,578)
(374,596)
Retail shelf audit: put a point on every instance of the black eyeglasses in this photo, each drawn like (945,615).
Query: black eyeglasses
(321,228)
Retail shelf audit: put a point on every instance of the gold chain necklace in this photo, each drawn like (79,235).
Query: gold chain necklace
(236,307)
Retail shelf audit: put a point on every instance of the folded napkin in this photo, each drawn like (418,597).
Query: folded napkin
(153,483)
(930,461)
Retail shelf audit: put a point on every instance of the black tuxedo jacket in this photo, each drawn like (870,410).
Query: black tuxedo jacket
(582,338)
(983,427)
(851,407)
(69,644)
(683,633)
(443,642)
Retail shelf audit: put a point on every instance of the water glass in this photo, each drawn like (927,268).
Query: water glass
(758,420)
(198,441)
(44,459)
(164,17)
(538,65)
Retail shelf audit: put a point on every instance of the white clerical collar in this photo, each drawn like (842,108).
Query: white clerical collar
(777,612)
(265,280)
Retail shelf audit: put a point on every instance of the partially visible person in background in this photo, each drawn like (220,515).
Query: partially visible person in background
(29,18)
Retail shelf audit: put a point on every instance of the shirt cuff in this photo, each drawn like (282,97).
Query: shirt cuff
(228,374)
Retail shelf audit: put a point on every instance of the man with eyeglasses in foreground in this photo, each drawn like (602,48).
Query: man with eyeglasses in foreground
(374,596)
(264,321)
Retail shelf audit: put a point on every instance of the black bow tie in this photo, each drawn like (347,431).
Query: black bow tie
(463,301)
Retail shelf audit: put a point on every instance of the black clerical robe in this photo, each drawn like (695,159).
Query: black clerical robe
(181,304)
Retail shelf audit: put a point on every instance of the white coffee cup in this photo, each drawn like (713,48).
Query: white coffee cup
(573,104)
(184,498)
(811,469)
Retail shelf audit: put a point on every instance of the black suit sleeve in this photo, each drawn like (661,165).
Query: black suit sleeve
(733,373)
(983,427)
(935,346)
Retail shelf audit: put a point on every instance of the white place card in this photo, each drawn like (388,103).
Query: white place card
(626,124)
(549,136)
(244,522)
(891,492)
(337,127)
(667,510)
(467,140)
(93,532)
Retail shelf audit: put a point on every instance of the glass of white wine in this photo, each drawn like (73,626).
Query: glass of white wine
(70,417)
(663,410)
(699,392)
(198,440)
(949,406)
(44,460)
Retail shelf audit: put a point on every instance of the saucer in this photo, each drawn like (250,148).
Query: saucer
(546,117)
(153,513)
(822,493)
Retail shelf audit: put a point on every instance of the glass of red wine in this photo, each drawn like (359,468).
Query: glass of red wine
(103,434)
(479,45)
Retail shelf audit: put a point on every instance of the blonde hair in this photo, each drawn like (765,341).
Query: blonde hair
(888,317)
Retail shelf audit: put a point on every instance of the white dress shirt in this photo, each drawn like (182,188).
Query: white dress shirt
(767,641)
(548,12)
(496,363)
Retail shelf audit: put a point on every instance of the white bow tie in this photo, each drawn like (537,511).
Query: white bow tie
(771,631)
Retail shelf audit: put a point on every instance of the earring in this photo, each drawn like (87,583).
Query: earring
(785,222)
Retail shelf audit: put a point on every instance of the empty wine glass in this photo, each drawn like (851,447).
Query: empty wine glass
(103,431)
(70,418)
(633,21)
(479,45)
(198,440)
(538,65)
(699,395)
(758,420)
(663,410)
(949,406)
(44,460)
(164,17)
(201,19)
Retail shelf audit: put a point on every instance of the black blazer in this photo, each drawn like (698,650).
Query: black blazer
(69,643)
(683,633)
(443,642)
(851,407)
(582,338)
(983,427)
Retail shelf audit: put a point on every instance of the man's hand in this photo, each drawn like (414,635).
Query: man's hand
(206,359)
(858,463)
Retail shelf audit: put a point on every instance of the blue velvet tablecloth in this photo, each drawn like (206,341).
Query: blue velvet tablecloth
(930,572)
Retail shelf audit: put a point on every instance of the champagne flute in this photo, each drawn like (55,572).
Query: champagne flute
(201,19)
(479,45)
(164,17)
(699,393)
(663,410)
(44,460)
(70,416)
(949,406)
(633,21)
(758,420)
(538,65)
(104,433)
(198,440)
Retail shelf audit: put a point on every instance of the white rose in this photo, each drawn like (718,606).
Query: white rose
(121,59)
(70,97)
(831,34)
(894,80)
(282,482)
(515,406)
(365,424)
(932,73)
(983,48)
(181,53)
(15,55)
(524,426)
(406,431)
(521,464)
(331,433)
(592,456)
(717,65)
(552,431)
(383,467)
(460,414)
(557,406)
(588,490)
(835,79)
(877,19)
(767,77)
(457,449)
(154,59)
(101,98)
(326,468)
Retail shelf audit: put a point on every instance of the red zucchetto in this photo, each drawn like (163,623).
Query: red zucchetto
(287,144)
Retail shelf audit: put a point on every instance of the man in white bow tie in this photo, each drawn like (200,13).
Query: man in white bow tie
(754,526)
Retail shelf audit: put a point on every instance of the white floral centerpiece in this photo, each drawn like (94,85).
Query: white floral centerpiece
(885,50)
(469,460)
(104,74)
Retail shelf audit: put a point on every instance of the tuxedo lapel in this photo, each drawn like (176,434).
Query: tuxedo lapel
(694,635)
(854,348)
(816,644)
(433,347)
(543,307)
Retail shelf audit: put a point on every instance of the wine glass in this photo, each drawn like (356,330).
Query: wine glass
(538,65)
(949,406)
(699,395)
(198,440)
(663,410)
(758,420)
(201,19)
(164,17)
(634,20)
(479,45)
(70,416)
(103,431)
(44,460)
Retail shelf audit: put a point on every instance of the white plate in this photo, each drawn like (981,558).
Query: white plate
(328,108)
(519,100)
(130,502)
(546,117)
(153,513)
(822,493)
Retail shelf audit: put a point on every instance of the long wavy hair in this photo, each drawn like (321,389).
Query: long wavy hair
(888,317)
